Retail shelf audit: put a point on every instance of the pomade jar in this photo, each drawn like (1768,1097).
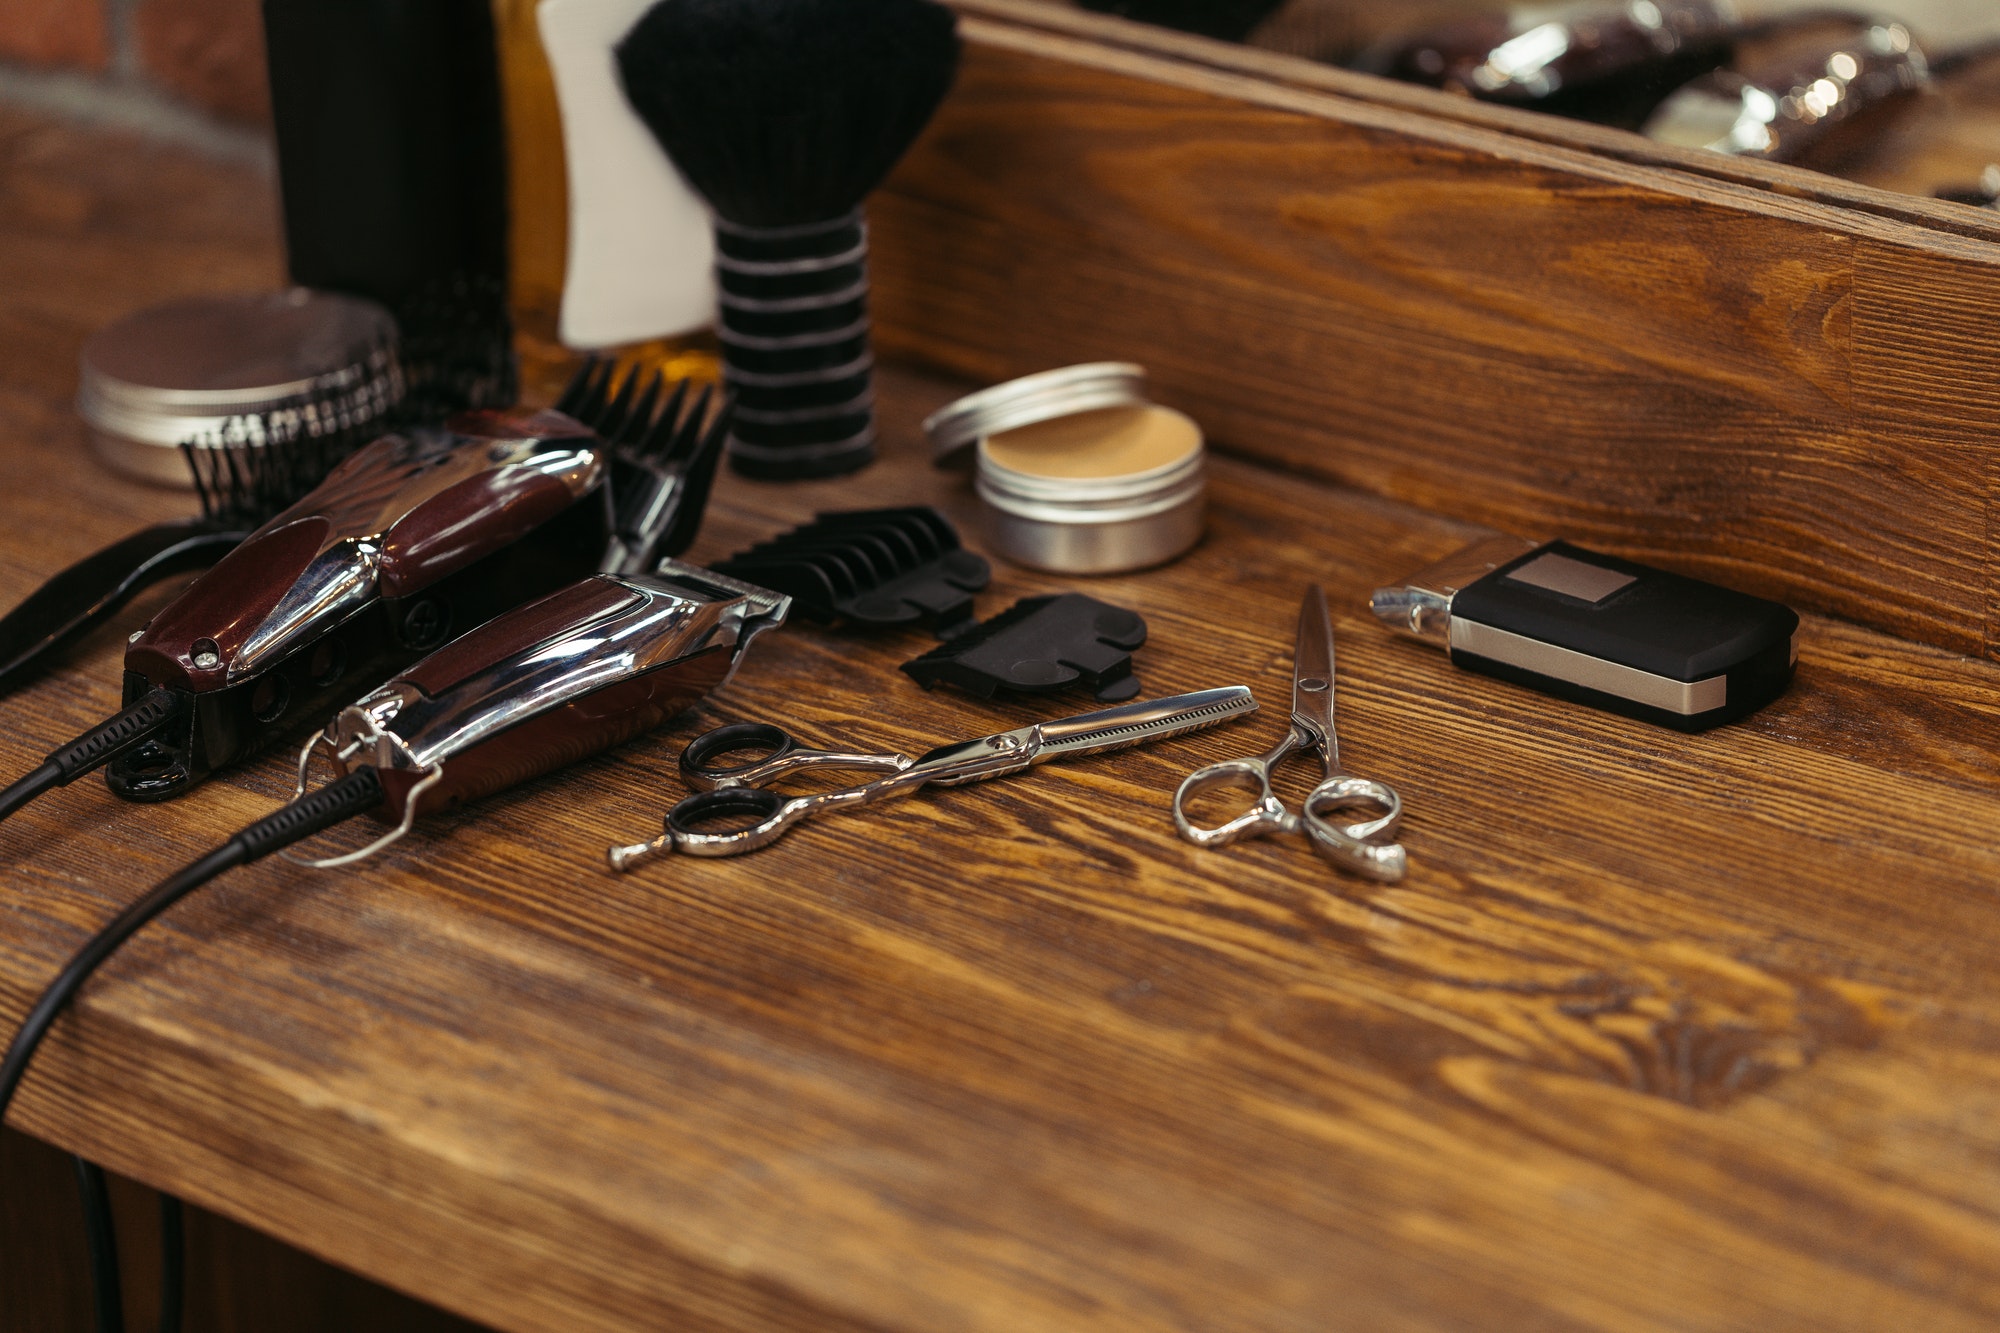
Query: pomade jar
(291,362)
(1078,471)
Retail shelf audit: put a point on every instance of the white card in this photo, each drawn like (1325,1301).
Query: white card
(641,244)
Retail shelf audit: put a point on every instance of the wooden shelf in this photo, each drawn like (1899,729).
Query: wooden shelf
(1756,373)
(1660,1031)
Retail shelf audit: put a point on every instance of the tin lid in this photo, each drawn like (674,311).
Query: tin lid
(183,369)
(1032,398)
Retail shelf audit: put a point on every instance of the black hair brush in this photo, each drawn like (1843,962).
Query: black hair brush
(784,114)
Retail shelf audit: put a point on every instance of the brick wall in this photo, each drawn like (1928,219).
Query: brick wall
(207,55)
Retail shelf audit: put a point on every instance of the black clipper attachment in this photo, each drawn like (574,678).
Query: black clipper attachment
(871,568)
(1039,646)
(1600,631)
(663,457)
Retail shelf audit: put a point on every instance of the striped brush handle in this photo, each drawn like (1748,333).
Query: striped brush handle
(795,346)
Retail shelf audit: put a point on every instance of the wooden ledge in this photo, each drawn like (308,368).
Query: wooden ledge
(1660,1030)
(1793,394)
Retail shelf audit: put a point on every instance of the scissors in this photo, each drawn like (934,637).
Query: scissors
(1358,847)
(761,816)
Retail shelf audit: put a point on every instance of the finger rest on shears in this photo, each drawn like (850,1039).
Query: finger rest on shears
(1343,795)
(1263,816)
(752,817)
(698,764)
(1357,847)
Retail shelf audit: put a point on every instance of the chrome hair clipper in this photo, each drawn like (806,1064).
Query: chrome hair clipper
(1606,632)
(545,686)
(415,535)
(418,536)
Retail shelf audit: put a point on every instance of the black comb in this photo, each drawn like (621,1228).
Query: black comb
(1038,646)
(873,568)
(663,456)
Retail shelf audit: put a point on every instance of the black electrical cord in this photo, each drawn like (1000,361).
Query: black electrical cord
(97,747)
(316,811)
(332,804)
(105,1295)
(101,1230)
(173,1264)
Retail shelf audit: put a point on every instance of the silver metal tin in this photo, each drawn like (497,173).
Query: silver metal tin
(286,364)
(1075,525)
(1039,397)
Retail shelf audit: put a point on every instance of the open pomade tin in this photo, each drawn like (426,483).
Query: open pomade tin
(285,363)
(1079,473)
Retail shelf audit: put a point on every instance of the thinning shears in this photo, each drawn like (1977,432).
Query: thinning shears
(761,816)
(1362,847)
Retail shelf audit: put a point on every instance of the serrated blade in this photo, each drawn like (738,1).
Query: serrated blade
(1136,724)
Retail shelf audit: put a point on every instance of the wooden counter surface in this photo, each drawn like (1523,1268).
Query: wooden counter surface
(1660,1033)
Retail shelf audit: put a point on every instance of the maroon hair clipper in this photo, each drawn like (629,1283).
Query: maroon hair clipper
(421,535)
(416,535)
(1811,104)
(547,685)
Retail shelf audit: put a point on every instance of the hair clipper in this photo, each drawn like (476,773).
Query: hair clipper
(548,684)
(415,536)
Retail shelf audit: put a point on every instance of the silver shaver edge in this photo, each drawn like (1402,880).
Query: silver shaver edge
(676,611)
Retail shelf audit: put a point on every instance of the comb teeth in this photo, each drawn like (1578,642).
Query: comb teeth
(663,454)
(878,568)
(697,469)
(584,398)
(611,421)
(682,441)
(638,422)
(654,444)
(249,468)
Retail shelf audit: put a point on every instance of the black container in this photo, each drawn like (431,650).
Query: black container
(393,166)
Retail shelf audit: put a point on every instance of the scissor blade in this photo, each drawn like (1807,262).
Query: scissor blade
(1087,733)
(1312,671)
(1136,724)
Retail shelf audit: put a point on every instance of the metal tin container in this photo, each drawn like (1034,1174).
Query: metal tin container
(253,366)
(1078,471)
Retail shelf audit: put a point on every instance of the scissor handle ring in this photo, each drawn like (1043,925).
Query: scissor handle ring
(1357,847)
(762,808)
(1344,793)
(1264,817)
(733,739)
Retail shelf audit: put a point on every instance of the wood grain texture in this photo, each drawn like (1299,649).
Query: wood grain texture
(1661,1031)
(238,1280)
(90,229)
(1894,185)
(1781,392)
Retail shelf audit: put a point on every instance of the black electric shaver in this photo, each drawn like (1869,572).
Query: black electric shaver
(1617,635)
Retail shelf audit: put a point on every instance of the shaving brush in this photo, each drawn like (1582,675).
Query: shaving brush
(783,115)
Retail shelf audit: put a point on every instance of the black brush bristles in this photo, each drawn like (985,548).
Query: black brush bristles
(784,114)
(252,467)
